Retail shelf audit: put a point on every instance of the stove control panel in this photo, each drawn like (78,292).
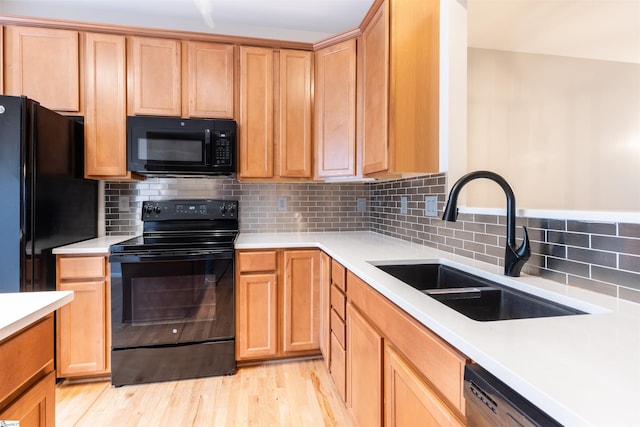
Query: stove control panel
(167,210)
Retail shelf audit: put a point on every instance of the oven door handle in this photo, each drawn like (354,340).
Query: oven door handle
(170,256)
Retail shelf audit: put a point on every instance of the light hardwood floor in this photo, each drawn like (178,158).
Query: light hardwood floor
(298,393)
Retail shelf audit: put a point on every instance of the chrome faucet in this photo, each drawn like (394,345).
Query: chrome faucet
(514,258)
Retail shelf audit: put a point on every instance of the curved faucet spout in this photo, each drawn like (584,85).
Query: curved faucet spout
(515,257)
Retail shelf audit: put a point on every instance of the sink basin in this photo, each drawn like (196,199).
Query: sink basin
(433,276)
(475,297)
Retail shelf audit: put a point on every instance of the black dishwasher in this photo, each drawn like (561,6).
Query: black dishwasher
(491,403)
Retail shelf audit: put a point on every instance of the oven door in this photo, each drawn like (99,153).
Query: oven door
(172,299)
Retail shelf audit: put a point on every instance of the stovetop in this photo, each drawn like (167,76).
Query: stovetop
(193,224)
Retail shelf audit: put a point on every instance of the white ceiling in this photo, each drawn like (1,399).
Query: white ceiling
(598,29)
(297,20)
(594,29)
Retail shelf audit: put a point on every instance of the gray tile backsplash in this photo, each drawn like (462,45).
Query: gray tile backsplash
(603,257)
(310,206)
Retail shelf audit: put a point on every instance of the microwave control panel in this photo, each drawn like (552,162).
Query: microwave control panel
(222,148)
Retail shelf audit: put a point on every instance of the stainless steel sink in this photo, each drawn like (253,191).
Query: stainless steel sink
(475,297)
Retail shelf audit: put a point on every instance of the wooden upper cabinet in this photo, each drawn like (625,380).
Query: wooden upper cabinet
(275,114)
(375,51)
(335,110)
(294,114)
(414,85)
(154,84)
(105,97)
(256,113)
(43,64)
(401,88)
(210,79)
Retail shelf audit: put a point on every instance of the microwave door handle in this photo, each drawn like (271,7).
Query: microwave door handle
(208,149)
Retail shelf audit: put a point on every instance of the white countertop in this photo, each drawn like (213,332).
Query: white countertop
(20,309)
(581,370)
(99,245)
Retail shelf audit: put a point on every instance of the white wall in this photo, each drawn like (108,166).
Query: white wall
(565,132)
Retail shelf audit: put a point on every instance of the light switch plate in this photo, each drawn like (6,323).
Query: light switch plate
(362,204)
(403,205)
(430,205)
(282,203)
(123,204)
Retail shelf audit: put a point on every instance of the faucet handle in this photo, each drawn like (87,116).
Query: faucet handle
(515,259)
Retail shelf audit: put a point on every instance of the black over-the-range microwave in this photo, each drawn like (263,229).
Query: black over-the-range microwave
(175,146)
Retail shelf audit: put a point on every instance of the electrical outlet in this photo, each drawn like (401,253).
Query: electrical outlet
(430,205)
(282,203)
(403,205)
(123,204)
(362,204)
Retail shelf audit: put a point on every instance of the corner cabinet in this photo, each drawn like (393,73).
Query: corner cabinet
(83,326)
(275,120)
(43,64)
(277,304)
(335,110)
(400,58)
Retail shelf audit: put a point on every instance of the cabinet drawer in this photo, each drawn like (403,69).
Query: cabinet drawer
(338,328)
(81,267)
(256,261)
(338,366)
(338,275)
(29,353)
(338,301)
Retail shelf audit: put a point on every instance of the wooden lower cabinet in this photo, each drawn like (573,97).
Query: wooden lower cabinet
(83,326)
(277,304)
(398,371)
(257,316)
(27,389)
(408,398)
(36,406)
(364,369)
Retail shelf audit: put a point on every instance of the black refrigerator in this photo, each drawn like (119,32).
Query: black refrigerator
(44,200)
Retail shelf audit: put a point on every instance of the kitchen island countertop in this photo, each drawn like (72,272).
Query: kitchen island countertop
(582,370)
(20,309)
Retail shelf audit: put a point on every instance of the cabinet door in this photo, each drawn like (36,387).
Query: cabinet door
(375,46)
(82,344)
(43,64)
(210,80)
(335,110)
(155,77)
(364,369)
(256,316)
(407,397)
(294,114)
(301,292)
(414,85)
(256,113)
(105,121)
(35,407)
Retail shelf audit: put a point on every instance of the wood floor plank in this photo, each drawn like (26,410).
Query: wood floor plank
(298,393)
